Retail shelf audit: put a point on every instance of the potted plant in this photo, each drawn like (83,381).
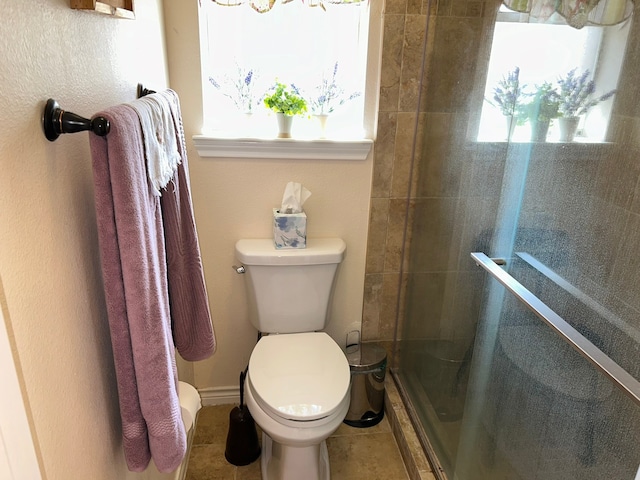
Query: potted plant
(327,96)
(542,107)
(575,99)
(240,89)
(507,97)
(286,102)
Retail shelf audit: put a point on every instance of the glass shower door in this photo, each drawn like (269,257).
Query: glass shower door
(499,394)
(553,390)
(537,408)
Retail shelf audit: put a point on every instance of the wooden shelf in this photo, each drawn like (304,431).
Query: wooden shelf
(117,8)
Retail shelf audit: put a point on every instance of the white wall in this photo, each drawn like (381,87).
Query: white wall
(55,313)
(233,199)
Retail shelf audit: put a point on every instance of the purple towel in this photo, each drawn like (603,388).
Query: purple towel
(192,329)
(131,236)
(154,283)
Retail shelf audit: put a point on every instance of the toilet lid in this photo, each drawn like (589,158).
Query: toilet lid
(299,376)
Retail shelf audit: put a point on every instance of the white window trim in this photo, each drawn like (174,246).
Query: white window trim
(284,148)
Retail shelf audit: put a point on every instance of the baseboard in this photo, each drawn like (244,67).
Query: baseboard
(219,395)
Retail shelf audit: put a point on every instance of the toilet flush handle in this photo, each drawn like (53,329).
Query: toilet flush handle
(238,269)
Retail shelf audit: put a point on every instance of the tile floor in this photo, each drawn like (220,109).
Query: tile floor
(354,453)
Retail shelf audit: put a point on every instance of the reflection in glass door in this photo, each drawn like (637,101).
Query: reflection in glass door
(542,411)
(497,392)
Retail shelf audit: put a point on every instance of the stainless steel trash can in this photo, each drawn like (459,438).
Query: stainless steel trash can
(368,364)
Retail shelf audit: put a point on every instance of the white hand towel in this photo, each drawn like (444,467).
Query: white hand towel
(160,143)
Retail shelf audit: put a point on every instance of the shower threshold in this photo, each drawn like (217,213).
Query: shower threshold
(436,467)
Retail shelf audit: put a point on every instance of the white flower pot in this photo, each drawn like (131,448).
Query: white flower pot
(539,130)
(568,128)
(322,122)
(511,125)
(284,125)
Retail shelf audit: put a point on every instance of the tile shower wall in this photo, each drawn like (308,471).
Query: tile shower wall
(438,190)
(457,48)
(453,180)
(404,29)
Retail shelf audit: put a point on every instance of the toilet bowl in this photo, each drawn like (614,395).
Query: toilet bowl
(298,380)
(297,391)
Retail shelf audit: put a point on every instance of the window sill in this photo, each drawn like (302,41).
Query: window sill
(282,148)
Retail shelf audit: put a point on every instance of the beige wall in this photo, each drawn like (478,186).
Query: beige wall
(55,312)
(49,261)
(233,199)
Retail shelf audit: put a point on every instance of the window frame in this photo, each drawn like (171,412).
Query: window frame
(606,71)
(217,144)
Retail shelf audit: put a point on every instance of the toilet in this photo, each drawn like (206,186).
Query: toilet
(298,380)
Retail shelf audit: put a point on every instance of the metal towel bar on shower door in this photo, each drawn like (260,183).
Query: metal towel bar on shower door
(620,377)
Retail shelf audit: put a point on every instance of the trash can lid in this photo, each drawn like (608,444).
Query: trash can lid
(366,356)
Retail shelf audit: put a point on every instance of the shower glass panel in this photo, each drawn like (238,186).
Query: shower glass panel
(494,392)
(539,410)
(454,215)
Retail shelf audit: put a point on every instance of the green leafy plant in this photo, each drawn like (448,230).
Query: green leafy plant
(575,94)
(543,104)
(285,99)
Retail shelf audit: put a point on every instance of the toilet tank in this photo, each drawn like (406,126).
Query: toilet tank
(290,290)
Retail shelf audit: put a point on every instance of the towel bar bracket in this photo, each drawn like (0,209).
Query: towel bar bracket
(142,91)
(56,121)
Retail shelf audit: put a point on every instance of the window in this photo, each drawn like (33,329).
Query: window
(545,52)
(299,43)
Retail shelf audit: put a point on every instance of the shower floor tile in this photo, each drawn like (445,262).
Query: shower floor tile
(354,453)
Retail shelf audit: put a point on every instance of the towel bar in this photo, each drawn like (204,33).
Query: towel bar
(57,121)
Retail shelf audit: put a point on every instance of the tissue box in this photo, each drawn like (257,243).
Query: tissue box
(289,229)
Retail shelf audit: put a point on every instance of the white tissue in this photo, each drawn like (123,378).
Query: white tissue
(294,197)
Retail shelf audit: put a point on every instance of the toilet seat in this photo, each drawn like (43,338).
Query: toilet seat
(299,377)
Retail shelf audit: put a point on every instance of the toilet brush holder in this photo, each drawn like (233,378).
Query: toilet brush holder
(242,439)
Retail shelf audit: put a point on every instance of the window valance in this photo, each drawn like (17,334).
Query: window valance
(577,13)
(262,6)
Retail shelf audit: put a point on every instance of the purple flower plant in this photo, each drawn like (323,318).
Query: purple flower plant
(507,94)
(241,89)
(328,95)
(575,93)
